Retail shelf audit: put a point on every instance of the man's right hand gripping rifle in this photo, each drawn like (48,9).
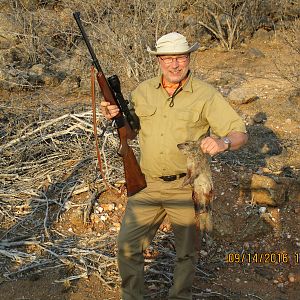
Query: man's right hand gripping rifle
(115,107)
(109,111)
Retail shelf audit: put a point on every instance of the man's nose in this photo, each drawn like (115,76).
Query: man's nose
(174,63)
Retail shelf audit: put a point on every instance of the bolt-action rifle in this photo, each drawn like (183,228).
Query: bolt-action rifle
(126,123)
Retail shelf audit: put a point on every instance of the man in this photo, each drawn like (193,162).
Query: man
(173,108)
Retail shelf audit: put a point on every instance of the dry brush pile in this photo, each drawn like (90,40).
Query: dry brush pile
(47,158)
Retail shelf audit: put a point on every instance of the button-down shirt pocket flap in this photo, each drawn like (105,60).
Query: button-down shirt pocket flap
(145,110)
(192,116)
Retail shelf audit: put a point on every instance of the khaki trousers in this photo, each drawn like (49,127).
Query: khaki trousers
(144,214)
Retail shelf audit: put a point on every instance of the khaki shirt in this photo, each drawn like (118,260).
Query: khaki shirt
(197,108)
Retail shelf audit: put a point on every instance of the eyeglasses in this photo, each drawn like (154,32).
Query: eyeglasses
(179,59)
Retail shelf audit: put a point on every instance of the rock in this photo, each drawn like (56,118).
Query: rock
(291,277)
(38,69)
(272,217)
(203,253)
(263,35)
(108,206)
(4,43)
(254,53)
(95,219)
(242,95)
(262,210)
(293,187)
(260,118)
(262,190)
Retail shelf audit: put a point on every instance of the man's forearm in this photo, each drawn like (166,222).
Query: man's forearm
(238,139)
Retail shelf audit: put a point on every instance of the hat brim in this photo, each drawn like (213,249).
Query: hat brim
(191,49)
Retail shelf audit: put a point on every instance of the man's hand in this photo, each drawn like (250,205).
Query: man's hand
(213,146)
(109,111)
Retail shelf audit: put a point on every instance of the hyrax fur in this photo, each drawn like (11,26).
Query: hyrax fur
(200,178)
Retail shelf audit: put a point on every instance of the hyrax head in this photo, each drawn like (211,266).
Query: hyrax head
(189,147)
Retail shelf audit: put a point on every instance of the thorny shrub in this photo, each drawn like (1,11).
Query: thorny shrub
(121,30)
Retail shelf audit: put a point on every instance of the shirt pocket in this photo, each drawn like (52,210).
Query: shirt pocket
(189,126)
(145,111)
(147,115)
(188,118)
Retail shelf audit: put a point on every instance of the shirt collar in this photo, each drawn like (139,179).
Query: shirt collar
(187,87)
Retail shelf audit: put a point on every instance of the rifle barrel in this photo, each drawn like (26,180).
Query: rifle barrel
(96,63)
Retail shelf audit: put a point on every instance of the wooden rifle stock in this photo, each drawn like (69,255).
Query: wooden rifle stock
(135,179)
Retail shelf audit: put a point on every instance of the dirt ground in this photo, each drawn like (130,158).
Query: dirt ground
(245,257)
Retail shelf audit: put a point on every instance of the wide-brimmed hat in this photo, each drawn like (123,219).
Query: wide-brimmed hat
(172,43)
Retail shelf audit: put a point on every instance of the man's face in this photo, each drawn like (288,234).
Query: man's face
(174,67)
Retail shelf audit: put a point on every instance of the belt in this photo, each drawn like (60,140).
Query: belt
(172,177)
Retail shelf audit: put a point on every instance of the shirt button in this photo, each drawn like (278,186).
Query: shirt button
(164,116)
(161,153)
(161,134)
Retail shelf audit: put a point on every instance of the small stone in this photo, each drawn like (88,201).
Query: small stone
(237,280)
(291,277)
(262,210)
(254,53)
(288,121)
(108,206)
(152,287)
(95,218)
(100,209)
(260,118)
(104,217)
(246,245)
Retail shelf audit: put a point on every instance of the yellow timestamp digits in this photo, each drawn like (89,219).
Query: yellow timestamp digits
(297,257)
(258,258)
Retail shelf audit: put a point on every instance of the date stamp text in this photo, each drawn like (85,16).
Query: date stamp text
(263,258)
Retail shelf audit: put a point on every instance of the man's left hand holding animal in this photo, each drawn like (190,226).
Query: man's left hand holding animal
(214,145)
